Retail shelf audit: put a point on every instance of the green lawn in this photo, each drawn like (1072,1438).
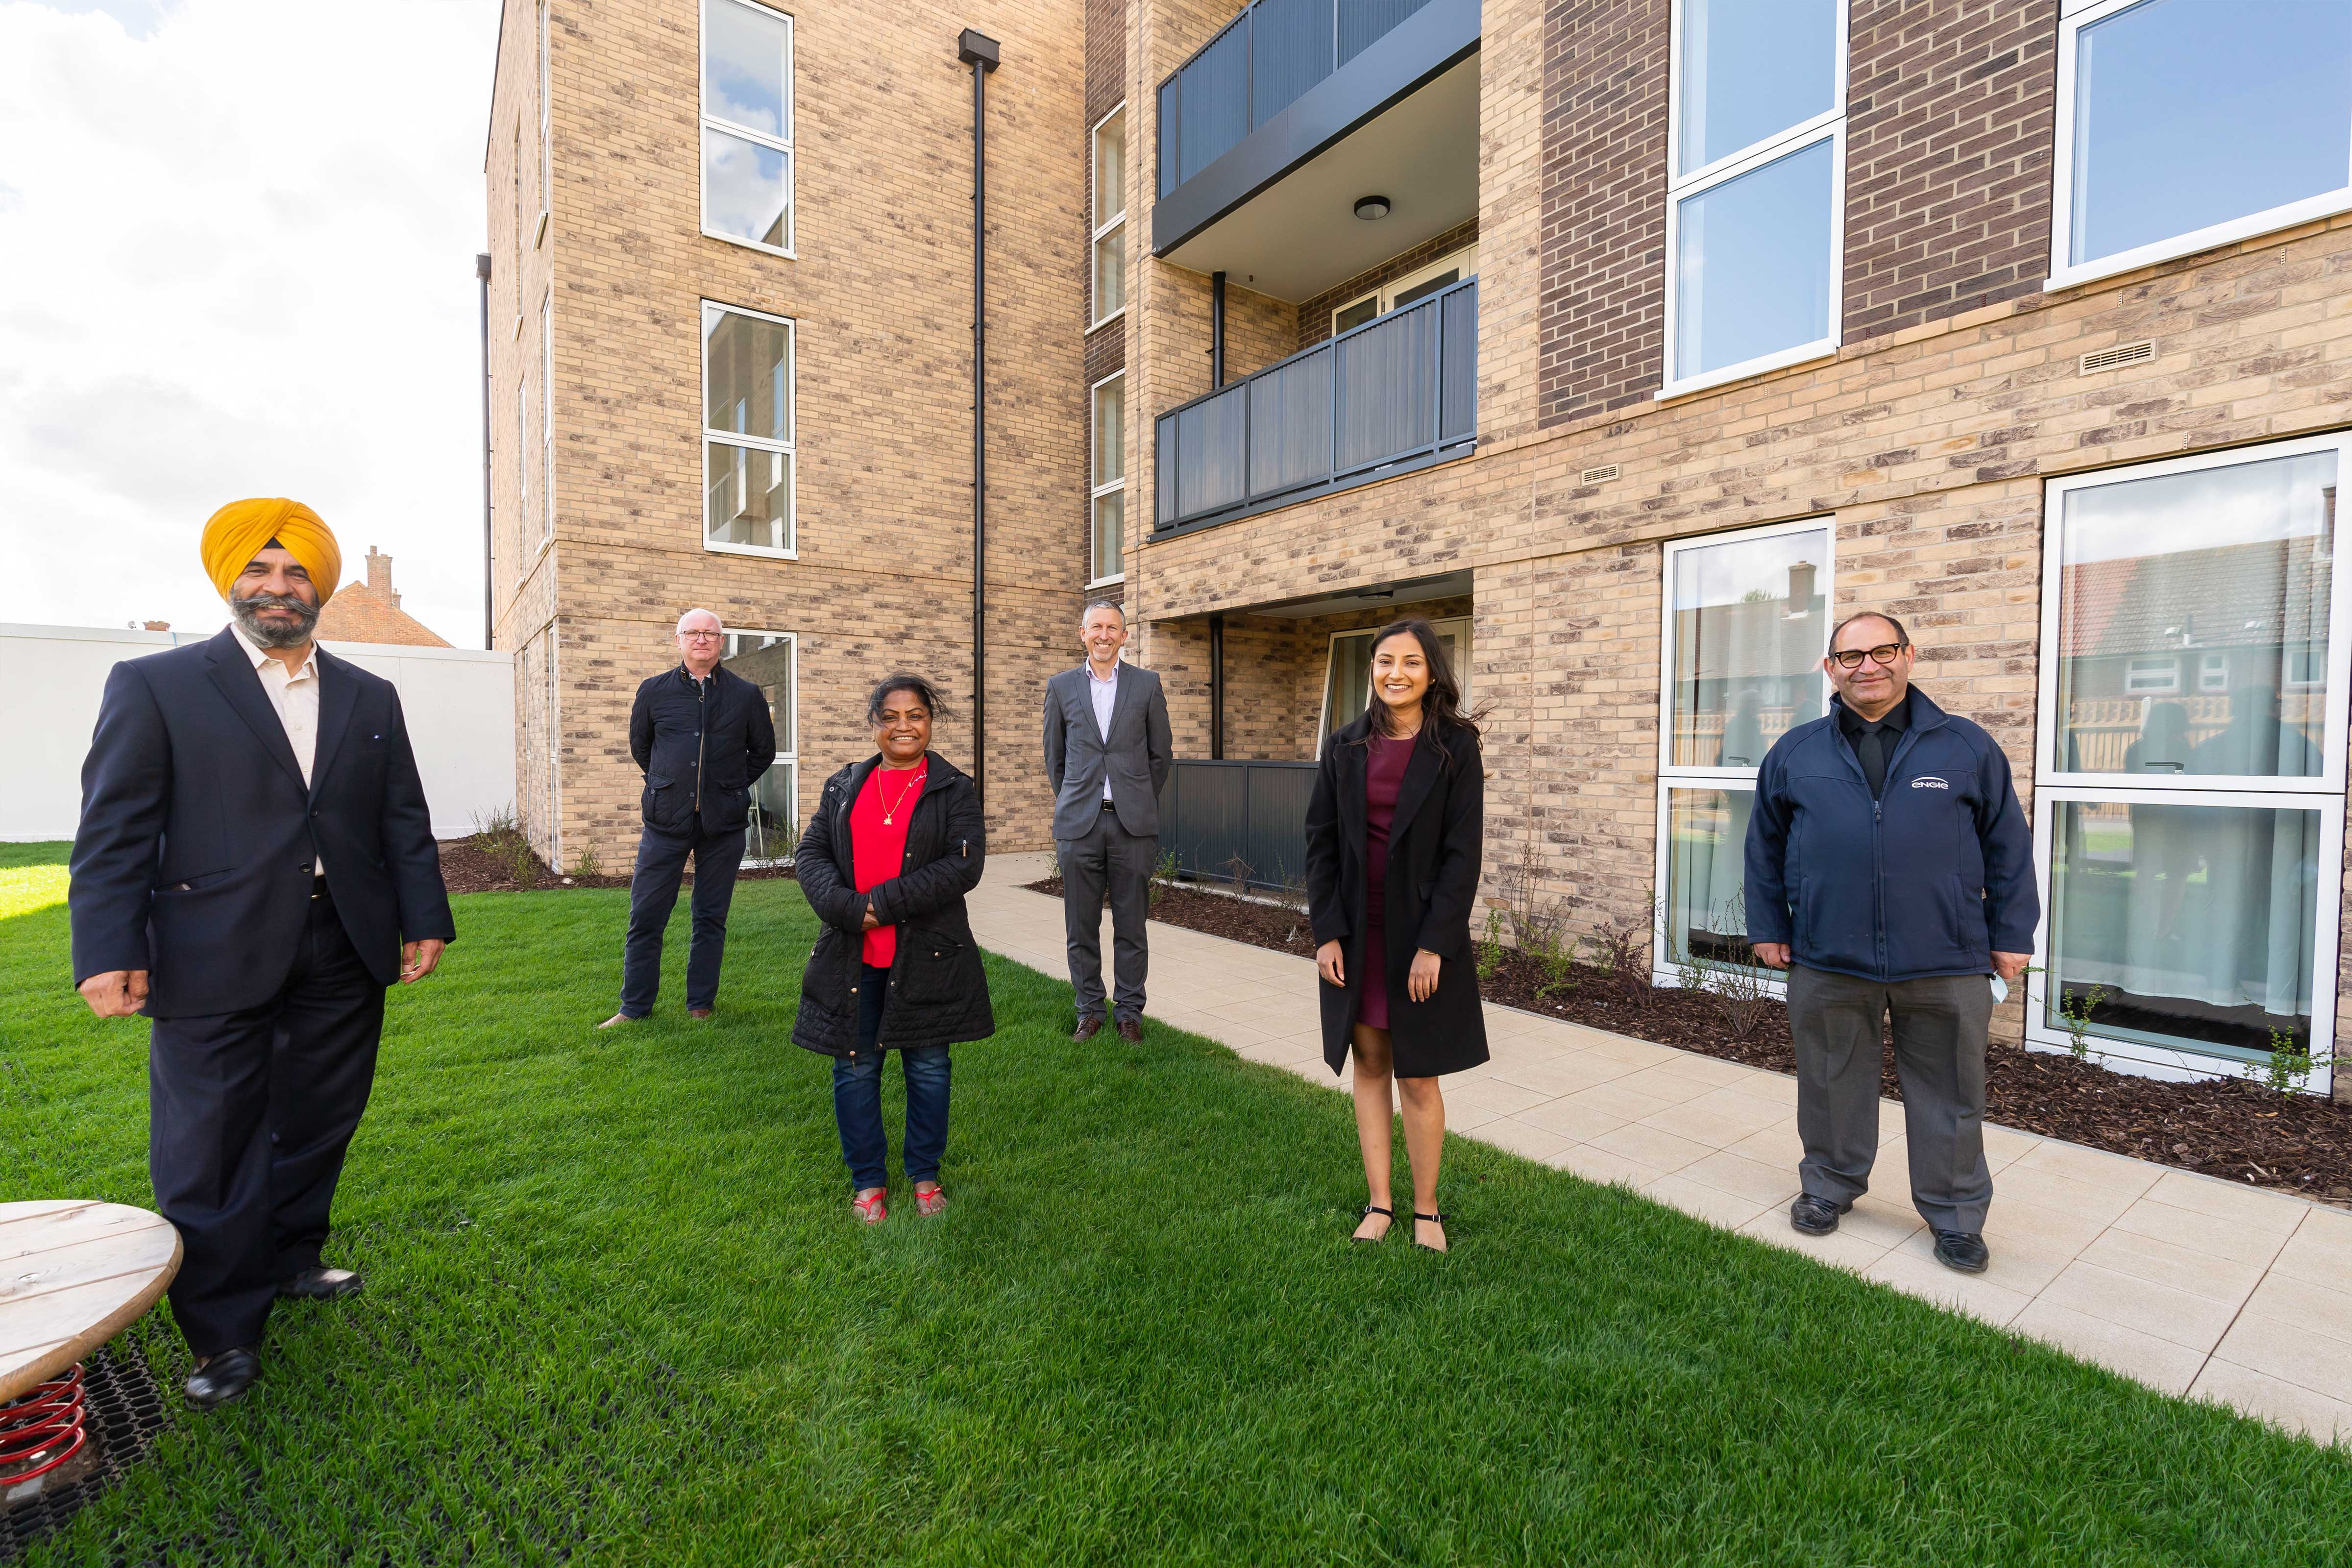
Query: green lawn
(617,1313)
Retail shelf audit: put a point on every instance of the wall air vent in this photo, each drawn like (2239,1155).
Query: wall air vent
(1602,475)
(2119,356)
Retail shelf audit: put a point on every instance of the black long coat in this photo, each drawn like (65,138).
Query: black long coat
(938,992)
(1434,844)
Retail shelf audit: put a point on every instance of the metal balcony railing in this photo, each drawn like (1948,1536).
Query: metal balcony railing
(1223,820)
(1401,388)
(1263,61)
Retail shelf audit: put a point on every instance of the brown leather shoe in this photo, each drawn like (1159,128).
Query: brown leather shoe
(1088,1029)
(698,1012)
(1130,1030)
(321,1284)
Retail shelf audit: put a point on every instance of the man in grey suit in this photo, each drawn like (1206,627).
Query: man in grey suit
(1108,751)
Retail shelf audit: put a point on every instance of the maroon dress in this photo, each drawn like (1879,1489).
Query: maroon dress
(1383,776)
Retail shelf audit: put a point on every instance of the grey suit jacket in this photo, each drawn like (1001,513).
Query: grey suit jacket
(1136,757)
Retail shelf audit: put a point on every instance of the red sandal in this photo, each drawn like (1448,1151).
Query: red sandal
(870,1209)
(930,1202)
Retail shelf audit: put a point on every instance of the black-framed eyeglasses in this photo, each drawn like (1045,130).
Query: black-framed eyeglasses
(1851,659)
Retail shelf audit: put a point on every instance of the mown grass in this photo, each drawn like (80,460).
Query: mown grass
(616,1312)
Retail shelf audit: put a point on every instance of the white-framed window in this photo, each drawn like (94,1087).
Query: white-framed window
(1107,530)
(1756,192)
(546,128)
(750,466)
(2185,124)
(747,124)
(547,415)
(1446,270)
(1746,621)
(1110,153)
(2188,843)
(1348,672)
(771,661)
(2156,675)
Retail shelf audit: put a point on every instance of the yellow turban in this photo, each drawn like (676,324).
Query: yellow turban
(239,531)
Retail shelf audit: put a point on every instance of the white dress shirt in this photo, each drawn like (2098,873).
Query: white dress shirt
(1106,696)
(294,694)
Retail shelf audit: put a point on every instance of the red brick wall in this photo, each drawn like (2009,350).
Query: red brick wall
(1949,138)
(1601,317)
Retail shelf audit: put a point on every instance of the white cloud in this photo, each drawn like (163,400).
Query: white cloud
(236,243)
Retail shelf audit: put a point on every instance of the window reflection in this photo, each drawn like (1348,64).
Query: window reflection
(1706,909)
(1749,71)
(1748,639)
(765,659)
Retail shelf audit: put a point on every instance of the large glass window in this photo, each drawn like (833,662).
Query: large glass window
(2189,123)
(747,124)
(1110,215)
(749,451)
(770,661)
(1754,221)
(2190,793)
(1348,676)
(1109,527)
(1746,622)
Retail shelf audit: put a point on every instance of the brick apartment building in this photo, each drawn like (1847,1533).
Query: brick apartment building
(1635,342)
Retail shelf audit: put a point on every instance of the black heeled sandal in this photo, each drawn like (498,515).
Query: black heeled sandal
(1438,1218)
(1368,1211)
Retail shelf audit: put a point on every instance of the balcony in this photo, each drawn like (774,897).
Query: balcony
(1270,133)
(1397,394)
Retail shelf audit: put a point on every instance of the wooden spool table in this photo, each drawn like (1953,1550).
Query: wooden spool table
(73,1274)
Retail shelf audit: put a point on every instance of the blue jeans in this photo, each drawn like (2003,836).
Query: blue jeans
(857,1097)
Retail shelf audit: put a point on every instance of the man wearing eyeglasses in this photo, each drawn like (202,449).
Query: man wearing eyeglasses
(1890,872)
(703,735)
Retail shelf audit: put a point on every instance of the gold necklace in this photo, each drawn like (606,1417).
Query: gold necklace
(890,811)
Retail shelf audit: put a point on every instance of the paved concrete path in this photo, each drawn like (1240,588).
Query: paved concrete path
(2191,1284)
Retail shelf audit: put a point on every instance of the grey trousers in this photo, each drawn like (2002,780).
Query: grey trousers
(1109,858)
(1939,1057)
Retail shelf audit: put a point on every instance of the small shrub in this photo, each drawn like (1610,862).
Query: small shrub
(2075,1007)
(1622,947)
(1490,945)
(1238,872)
(522,863)
(1163,877)
(586,865)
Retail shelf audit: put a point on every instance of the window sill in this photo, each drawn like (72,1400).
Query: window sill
(1804,353)
(752,244)
(2063,275)
(1106,320)
(791,553)
(1107,581)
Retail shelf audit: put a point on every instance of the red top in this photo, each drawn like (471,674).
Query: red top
(877,848)
(1383,776)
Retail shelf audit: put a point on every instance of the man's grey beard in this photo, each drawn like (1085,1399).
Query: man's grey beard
(264,632)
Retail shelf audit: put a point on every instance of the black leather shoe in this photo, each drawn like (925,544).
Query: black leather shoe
(321,1284)
(1962,1249)
(221,1378)
(1088,1029)
(1130,1030)
(1815,1216)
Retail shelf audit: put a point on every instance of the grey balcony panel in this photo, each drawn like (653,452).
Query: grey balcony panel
(1364,406)
(1386,381)
(1457,387)
(1363,23)
(1167,100)
(1212,443)
(1213,814)
(1290,51)
(1214,101)
(1290,424)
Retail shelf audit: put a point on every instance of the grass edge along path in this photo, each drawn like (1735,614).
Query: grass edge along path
(617,1313)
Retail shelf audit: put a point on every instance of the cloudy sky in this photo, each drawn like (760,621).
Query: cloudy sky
(237,257)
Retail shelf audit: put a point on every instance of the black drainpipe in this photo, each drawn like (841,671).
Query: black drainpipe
(1216,331)
(489,619)
(1217,689)
(978,51)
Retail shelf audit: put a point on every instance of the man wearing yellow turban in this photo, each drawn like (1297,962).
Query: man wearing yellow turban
(255,864)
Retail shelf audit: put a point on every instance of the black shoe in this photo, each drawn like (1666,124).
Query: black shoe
(1420,1218)
(1962,1249)
(1815,1216)
(1088,1029)
(1369,1210)
(1130,1030)
(321,1284)
(221,1378)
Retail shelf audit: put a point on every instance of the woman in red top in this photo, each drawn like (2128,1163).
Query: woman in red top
(1393,835)
(889,853)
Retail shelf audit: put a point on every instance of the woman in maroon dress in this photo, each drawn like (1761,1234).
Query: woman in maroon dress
(1393,836)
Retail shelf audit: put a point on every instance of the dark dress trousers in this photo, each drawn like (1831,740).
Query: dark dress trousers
(702,744)
(1106,846)
(193,861)
(1435,842)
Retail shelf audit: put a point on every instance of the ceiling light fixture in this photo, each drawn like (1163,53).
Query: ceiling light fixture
(1371,209)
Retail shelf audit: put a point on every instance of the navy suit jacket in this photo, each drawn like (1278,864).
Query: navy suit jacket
(192,858)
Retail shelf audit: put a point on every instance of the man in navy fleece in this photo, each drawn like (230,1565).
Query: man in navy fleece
(1890,871)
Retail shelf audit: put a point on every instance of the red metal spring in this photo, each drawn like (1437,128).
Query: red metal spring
(41,1430)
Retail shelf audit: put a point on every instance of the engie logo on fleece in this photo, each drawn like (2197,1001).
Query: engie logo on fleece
(1928,780)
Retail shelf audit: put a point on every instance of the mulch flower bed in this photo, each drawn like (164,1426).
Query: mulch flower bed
(498,863)
(2227,1128)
